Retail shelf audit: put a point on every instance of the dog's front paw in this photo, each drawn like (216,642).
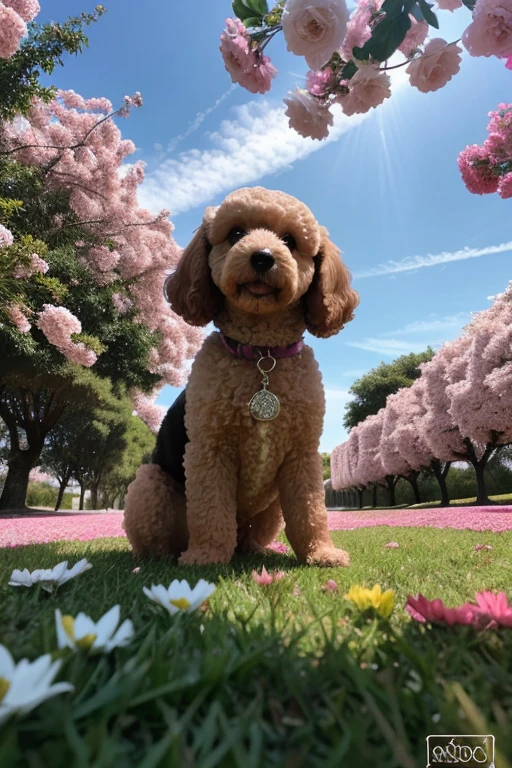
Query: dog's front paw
(204,557)
(329,556)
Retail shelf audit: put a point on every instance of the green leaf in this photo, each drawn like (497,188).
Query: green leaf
(428,14)
(243,11)
(469,4)
(253,22)
(386,37)
(348,71)
(260,6)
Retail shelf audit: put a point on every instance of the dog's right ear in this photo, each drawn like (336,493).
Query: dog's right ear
(190,290)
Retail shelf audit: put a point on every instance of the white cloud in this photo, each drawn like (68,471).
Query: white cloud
(257,142)
(432,260)
(389,347)
(428,326)
(199,119)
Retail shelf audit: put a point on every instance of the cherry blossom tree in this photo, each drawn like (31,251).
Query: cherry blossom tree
(393,461)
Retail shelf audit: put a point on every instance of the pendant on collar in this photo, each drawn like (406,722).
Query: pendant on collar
(264,405)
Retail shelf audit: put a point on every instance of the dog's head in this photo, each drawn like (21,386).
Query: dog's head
(260,252)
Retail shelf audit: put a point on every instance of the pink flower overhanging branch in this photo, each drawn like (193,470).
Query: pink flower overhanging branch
(348,58)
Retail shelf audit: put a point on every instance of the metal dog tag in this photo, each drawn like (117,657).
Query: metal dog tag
(264,405)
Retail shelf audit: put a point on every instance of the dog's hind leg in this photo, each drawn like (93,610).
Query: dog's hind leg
(155,514)
(262,529)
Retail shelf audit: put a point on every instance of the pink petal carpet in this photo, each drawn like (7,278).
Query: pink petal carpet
(15,532)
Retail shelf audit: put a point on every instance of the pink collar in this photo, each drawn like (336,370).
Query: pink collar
(250,352)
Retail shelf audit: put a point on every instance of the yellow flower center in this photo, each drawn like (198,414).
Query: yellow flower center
(86,641)
(181,602)
(68,625)
(4,687)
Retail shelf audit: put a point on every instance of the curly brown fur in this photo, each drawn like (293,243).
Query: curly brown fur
(244,477)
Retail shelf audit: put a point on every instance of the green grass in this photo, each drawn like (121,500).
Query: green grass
(503,498)
(266,677)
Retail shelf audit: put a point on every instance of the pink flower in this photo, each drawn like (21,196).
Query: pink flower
(490,32)
(58,325)
(17,317)
(264,579)
(307,115)
(368,88)
(6,237)
(246,65)
(314,29)
(392,545)
(449,5)
(358,31)
(435,67)
(136,570)
(147,410)
(505,186)
(474,166)
(508,62)
(27,9)
(436,612)
(279,547)
(492,609)
(330,586)
(12,30)
(37,265)
(414,37)
(479,547)
(317,82)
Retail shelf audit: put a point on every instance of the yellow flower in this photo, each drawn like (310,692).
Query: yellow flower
(382,602)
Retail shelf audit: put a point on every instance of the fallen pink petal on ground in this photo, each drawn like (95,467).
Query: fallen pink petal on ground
(15,532)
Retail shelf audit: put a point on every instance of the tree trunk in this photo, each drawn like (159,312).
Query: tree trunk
(14,493)
(360,492)
(374,495)
(62,487)
(479,465)
(82,495)
(413,481)
(390,484)
(94,497)
(440,475)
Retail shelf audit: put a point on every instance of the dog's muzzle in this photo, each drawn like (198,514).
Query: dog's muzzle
(262,261)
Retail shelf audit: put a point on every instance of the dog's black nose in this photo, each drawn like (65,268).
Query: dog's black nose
(262,261)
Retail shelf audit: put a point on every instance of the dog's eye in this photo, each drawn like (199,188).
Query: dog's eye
(236,234)
(289,241)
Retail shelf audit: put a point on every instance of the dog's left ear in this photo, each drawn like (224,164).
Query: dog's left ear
(190,290)
(330,301)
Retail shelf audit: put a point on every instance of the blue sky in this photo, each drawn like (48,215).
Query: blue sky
(424,252)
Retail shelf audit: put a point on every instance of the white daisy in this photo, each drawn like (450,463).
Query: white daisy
(83,632)
(179,596)
(49,578)
(25,685)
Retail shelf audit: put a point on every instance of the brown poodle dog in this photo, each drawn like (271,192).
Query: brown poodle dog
(263,270)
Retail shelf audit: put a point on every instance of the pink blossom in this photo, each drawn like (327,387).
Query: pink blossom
(474,166)
(12,30)
(508,62)
(414,37)
(368,88)
(314,29)
(317,82)
(27,9)
(492,610)
(147,410)
(18,318)
(279,547)
(136,570)
(37,265)
(505,186)
(58,325)
(6,237)
(265,578)
(490,32)
(449,5)
(245,64)
(358,31)
(435,611)
(307,115)
(435,67)
(392,545)
(330,586)
(479,547)
(123,304)
(38,476)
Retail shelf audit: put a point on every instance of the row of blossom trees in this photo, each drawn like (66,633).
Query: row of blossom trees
(460,409)
(348,57)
